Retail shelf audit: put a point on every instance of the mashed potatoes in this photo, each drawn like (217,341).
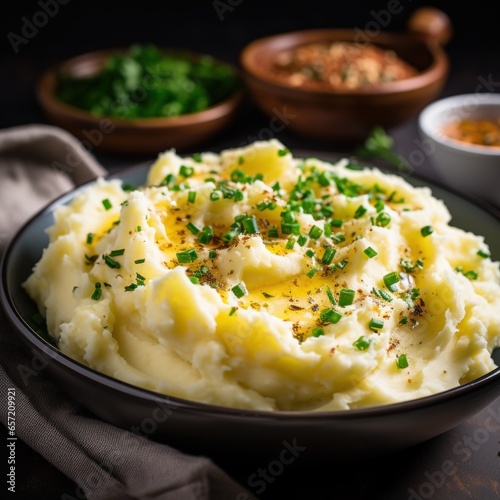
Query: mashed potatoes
(253,279)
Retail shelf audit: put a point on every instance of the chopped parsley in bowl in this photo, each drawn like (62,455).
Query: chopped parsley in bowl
(145,82)
(141,99)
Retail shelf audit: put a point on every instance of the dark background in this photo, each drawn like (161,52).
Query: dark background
(81,26)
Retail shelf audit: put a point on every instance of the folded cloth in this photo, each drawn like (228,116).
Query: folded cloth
(37,164)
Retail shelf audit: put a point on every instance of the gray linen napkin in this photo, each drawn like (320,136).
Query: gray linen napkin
(38,163)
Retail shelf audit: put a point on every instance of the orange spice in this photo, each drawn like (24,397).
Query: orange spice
(341,65)
(482,132)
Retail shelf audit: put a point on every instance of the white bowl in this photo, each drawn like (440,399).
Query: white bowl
(471,169)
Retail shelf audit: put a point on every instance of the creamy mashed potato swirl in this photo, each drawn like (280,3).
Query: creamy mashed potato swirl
(253,279)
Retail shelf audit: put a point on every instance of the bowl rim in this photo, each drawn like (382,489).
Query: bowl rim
(29,335)
(45,87)
(437,69)
(431,119)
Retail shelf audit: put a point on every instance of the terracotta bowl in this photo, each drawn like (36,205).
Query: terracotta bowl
(134,135)
(347,116)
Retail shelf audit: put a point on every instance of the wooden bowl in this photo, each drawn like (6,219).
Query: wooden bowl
(347,116)
(130,135)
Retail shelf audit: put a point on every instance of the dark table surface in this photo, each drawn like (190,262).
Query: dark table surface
(464,462)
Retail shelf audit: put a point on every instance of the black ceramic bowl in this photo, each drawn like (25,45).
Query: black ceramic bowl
(196,427)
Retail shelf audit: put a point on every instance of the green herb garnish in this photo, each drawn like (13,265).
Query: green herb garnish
(187,256)
(379,145)
(402,361)
(178,84)
(239,290)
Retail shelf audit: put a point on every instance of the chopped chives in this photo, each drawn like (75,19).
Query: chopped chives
(239,290)
(168,181)
(139,228)
(194,280)
(403,320)
(376,324)
(383,219)
(238,195)
(483,254)
(250,225)
(186,171)
(290,243)
(328,255)
(241,160)
(206,235)
(106,204)
(302,240)
(402,361)
(197,157)
(290,228)
(215,195)
(90,238)
(370,252)
(330,296)
(128,187)
(390,281)
(310,253)
(139,261)
(472,275)
(336,222)
(272,232)
(360,211)
(267,205)
(283,152)
(315,232)
(232,310)
(96,295)
(112,263)
(382,294)
(317,332)
(89,260)
(426,231)
(192,228)
(116,253)
(131,287)
(191,196)
(341,265)
(379,206)
(346,297)
(330,316)
(362,344)
(312,272)
(230,235)
(338,237)
(212,254)
(187,256)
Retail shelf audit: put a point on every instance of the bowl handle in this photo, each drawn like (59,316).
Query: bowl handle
(431,24)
